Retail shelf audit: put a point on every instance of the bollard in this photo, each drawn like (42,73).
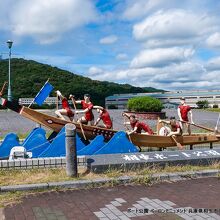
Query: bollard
(71,154)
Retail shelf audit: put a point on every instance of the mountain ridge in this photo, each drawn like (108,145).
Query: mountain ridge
(28,76)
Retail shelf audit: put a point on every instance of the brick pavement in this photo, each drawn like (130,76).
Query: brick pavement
(123,202)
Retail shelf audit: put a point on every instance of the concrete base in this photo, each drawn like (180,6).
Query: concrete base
(132,161)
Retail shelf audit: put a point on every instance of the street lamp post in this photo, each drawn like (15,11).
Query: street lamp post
(9,42)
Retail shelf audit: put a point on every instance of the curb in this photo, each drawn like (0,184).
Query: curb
(80,184)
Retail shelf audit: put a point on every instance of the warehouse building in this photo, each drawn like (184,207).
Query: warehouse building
(169,99)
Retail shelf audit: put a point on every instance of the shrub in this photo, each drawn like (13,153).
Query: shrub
(215,106)
(145,104)
(202,104)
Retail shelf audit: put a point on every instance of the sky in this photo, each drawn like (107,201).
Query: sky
(166,44)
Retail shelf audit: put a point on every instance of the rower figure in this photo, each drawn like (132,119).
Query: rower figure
(104,116)
(66,110)
(137,127)
(87,107)
(183,111)
(174,130)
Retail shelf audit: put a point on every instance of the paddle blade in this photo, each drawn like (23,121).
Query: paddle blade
(180,146)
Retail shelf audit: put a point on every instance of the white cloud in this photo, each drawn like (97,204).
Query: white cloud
(175,76)
(163,42)
(174,26)
(213,41)
(161,57)
(102,74)
(184,72)
(139,8)
(212,76)
(51,60)
(95,71)
(47,20)
(122,56)
(108,40)
(213,64)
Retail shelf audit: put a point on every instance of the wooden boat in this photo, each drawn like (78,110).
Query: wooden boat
(141,140)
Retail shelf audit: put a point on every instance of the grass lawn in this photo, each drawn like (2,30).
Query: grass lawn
(29,176)
(213,109)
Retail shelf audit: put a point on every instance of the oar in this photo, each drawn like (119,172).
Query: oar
(80,123)
(127,130)
(216,127)
(180,146)
(199,126)
(158,125)
(57,102)
(3,88)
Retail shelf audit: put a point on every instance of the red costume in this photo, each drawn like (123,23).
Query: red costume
(106,119)
(141,126)
(184,109)
(174,127)
(65,106)
(88,115)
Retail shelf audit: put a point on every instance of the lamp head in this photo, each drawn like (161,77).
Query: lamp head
(9,42)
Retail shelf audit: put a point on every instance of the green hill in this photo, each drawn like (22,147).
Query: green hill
(28,77)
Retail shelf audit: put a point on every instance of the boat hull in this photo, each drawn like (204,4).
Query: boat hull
(165,141)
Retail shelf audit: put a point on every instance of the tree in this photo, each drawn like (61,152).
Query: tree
(145,104)
(202,104)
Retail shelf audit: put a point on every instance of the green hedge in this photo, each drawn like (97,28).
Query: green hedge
(202,104)
(145,104)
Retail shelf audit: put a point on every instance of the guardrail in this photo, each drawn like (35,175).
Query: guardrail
(40,163)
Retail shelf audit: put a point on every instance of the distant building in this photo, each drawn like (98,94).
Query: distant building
(169,99)
(27,101)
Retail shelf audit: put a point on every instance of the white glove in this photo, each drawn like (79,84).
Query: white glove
(58,93)
(71,96)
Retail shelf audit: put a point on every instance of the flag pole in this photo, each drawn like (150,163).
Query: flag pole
(38,92)
(31,103)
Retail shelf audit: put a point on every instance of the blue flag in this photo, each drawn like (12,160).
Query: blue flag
(43,93)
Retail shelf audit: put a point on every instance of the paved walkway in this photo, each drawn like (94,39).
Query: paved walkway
(189,199)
